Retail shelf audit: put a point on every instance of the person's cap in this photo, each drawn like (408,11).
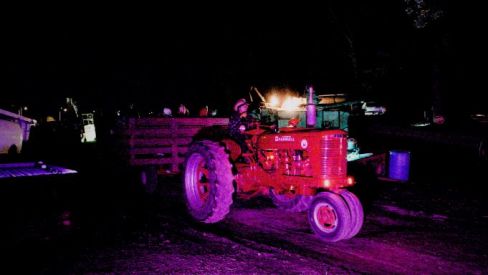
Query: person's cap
(241,102)
(167,111)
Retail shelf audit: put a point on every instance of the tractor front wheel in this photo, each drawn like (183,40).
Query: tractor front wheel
(208,182)
(329,217)
(356,211)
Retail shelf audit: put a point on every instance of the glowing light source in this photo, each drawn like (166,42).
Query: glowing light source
(274,101)
(350,180)
(291,103)
(326,183)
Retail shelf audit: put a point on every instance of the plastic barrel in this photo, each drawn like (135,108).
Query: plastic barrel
(399,165)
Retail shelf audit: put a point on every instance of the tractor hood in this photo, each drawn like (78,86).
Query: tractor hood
(296,138)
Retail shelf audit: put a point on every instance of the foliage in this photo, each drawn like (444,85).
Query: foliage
(422,13)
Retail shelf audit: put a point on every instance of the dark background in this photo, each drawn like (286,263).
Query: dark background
(108,57)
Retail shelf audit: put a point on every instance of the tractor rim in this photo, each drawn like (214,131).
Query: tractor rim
(203,185)
(197,184)
(325,217)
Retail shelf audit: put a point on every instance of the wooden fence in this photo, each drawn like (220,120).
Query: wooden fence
(163,142)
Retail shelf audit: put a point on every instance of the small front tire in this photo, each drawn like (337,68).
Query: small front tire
(329,217)
(356,211)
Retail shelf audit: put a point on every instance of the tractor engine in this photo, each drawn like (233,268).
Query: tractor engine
(304,159)
(286,161)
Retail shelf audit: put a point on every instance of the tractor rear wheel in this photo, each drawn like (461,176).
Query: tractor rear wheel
(208,182)
(329,217)
(290,202)
(356,211)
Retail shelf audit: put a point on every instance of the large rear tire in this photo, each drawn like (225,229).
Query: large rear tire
(329,217)
(356,211)
(208,182)
(290,202)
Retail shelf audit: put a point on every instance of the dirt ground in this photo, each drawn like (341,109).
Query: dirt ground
(436,223)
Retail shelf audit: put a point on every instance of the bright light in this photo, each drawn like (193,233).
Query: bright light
(350,180)
(274,101)
(65,110)
(291,103)
(326,183)
(285,100)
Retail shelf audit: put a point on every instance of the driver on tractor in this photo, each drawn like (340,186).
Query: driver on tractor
(240,122)
(242,125)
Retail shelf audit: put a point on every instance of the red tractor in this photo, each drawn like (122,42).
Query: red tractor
(300,169)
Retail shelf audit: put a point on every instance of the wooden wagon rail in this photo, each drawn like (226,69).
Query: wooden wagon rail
(163,142)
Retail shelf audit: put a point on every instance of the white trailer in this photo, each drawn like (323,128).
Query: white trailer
(14,130)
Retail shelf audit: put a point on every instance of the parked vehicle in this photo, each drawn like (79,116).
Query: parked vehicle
(14,130)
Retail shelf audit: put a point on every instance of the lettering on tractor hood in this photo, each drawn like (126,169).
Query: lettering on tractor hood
(284,138)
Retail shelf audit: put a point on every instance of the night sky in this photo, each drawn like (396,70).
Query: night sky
(211,55)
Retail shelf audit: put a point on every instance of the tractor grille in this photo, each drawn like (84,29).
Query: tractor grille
(333,159)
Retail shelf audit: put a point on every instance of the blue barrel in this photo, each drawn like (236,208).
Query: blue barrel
(399,165)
